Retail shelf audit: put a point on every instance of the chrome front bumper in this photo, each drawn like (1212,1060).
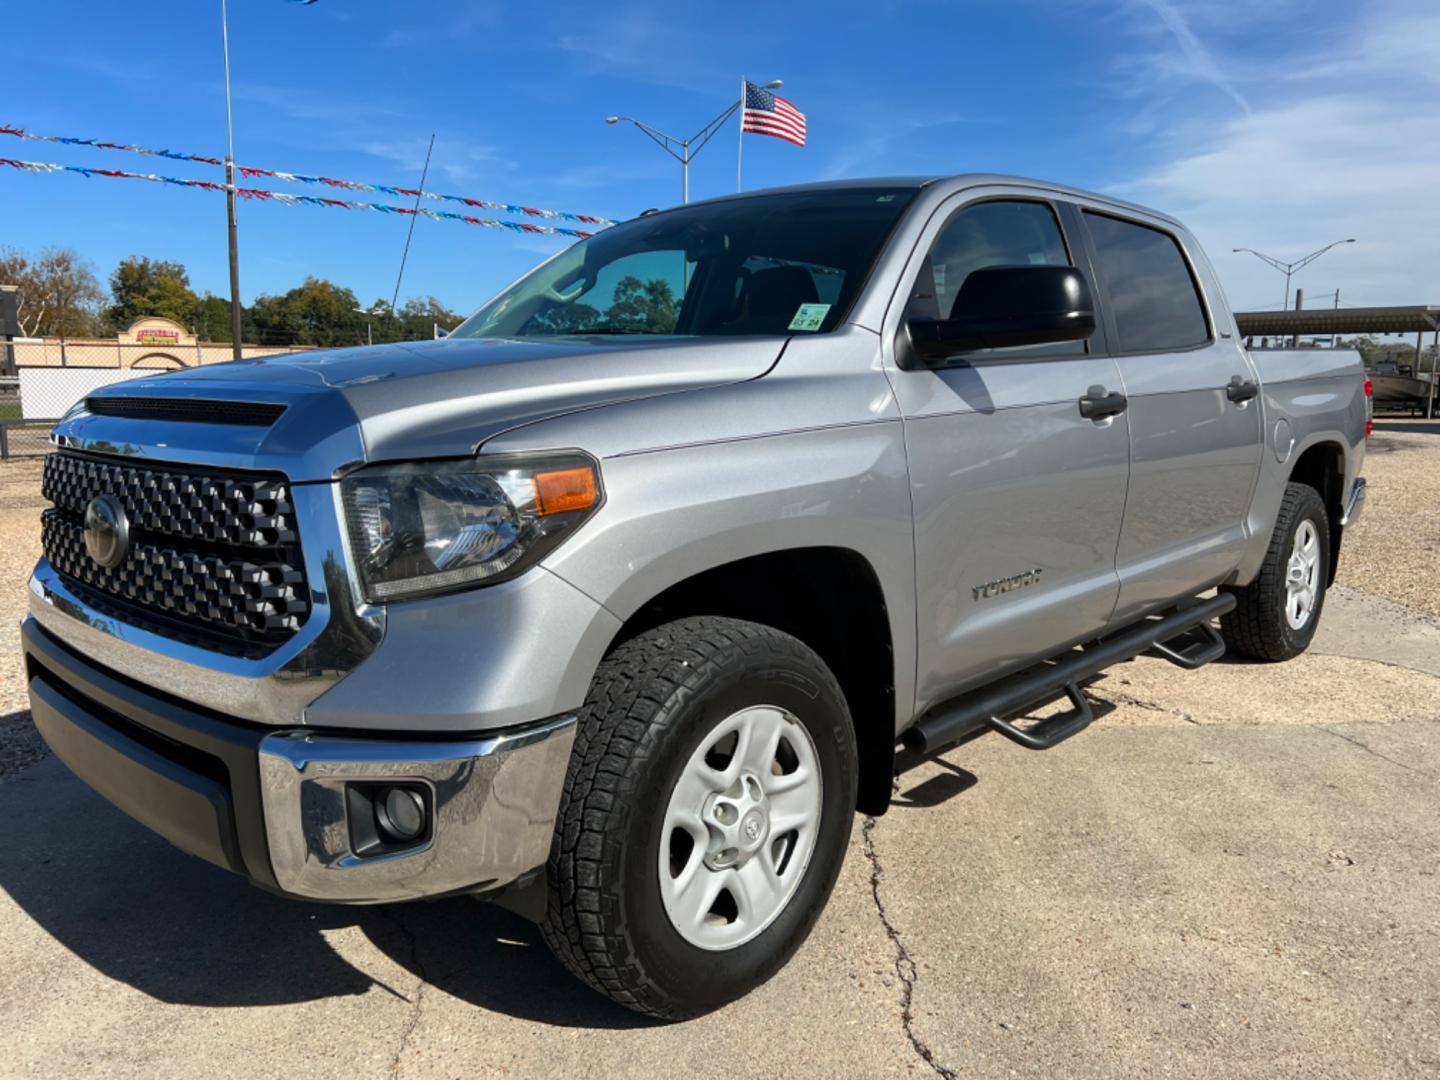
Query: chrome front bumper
(493,802)
(273,806)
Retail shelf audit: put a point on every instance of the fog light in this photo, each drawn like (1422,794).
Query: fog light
(400,813)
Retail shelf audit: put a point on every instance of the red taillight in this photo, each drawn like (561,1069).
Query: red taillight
(1369,406)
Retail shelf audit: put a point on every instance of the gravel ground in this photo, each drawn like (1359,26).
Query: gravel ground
(20,505)
(1394,547)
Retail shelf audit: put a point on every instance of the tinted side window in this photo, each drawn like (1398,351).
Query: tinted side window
(999,233)
(1153,296)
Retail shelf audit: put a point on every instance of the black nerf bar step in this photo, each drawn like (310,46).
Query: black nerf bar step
(992,706)
(1193,649)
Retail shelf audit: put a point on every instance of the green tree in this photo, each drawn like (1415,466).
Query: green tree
(59,294)
(142,287)
(563,319)
(212,320)
(318,312)
(640,305)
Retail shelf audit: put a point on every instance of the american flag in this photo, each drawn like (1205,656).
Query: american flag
(769,114)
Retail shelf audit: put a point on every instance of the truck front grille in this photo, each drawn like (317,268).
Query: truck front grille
(214,556)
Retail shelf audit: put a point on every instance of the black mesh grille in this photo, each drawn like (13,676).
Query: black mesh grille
(190,410)
(214,557)
(161,499)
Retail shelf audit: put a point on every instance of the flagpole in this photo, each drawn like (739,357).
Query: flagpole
(740,145)
(235,349)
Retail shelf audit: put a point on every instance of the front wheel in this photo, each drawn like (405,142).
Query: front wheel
(704,818)
(1276,615)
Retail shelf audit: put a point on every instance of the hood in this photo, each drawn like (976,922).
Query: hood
(410,400)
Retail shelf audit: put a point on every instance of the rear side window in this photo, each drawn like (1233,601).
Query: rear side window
(1152,292)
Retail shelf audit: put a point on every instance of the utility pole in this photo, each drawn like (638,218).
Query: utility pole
(235,350)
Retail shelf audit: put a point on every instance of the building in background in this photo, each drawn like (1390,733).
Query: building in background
(149,344)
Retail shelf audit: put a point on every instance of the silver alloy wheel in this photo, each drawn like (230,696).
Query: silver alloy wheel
(740,827)
(1302,575)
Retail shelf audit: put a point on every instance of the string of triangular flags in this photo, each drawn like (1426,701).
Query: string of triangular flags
(252,172)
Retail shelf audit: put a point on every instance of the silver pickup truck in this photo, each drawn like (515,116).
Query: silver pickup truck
(615,605)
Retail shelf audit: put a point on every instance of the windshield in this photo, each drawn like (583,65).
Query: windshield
(769,264)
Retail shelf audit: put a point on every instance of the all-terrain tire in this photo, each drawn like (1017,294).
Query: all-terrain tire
(1259,627)
(652,702)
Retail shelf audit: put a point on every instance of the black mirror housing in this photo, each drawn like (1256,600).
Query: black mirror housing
(1006,306)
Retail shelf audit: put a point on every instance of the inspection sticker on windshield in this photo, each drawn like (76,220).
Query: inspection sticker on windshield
(809,317)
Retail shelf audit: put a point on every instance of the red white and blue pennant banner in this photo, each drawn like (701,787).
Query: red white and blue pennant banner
(300,178)
(286,199)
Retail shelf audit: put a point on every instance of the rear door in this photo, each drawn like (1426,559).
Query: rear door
(1018,498)
(1194,440)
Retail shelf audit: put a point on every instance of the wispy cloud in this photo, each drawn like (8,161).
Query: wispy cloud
(1194,58)
(632,42)
(460,163)
(299,103)
(877,140)
(1290,179)
(453,24)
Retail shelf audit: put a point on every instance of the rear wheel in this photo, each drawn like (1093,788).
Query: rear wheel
(705,815)
(1276,615)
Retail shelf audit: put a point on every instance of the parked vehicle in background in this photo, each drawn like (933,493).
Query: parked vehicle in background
(613,605)
(1397,386)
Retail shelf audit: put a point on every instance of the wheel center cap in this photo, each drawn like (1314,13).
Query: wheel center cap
(739,823)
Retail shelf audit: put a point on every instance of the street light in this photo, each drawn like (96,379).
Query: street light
(369,333)
(685,154)
(1290,268)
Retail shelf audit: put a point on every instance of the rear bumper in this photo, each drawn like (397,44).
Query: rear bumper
(277,806)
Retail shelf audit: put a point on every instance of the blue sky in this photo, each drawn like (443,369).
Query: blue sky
(1268,124)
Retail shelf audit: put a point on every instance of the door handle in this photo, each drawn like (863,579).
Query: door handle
(1099,403)
(1240,389)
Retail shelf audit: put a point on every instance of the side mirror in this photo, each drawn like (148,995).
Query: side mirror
(1005,306)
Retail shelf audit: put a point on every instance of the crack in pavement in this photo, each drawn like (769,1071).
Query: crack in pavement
(1375,660)
(905,969)
(1119,697)
(417,1003)
(1371,750)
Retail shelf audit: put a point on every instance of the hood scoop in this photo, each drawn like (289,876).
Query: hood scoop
(187,410)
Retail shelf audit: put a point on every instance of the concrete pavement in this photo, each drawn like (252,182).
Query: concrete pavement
(1233,873)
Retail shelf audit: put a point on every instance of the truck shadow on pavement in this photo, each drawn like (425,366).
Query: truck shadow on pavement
(173,927)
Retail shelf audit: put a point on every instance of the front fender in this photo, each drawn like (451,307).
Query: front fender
(672,514)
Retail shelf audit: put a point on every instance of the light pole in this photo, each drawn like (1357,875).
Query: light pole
(687,148)
(369,332)
(230,191)
(1291,268)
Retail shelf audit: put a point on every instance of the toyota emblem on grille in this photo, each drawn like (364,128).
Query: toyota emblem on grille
(107,531)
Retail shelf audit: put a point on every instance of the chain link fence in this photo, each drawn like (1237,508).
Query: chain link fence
(41,379)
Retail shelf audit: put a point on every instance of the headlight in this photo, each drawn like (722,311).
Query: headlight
(438,526)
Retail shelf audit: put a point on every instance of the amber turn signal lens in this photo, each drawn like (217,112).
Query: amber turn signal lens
(563,490)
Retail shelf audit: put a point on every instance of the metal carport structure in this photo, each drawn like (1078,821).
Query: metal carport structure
(1418,319)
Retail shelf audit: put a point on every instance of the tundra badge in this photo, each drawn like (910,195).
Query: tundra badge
(1006,584)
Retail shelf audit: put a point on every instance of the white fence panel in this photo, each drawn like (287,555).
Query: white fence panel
(46,392)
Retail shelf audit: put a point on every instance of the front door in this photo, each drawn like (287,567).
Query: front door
(1194,438)
(1017,497)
